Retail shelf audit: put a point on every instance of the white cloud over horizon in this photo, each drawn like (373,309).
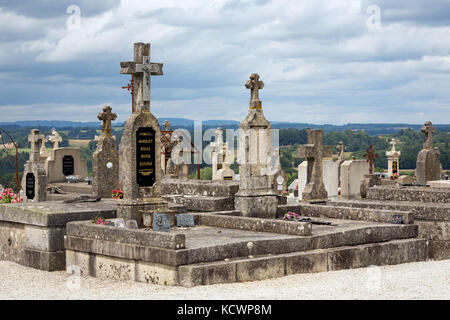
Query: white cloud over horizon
(318,59)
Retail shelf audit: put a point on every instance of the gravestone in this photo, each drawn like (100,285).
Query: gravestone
(160,222)
(352,173)
(279,180)
(371,179)
(139,153)
(105,160)
(221,157)
(255,197)
(393,157)
(34,180)
(314,152)
(428,165)
(330,178)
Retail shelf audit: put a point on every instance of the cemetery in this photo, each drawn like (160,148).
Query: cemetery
(168,229)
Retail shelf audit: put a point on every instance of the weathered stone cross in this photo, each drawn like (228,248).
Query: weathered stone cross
(314,152)
(166,125)
(141,69)
(341,148)
(35,140)
(55,139)
(428,129)
(394,142)
(254,85)
(107,116)
(370,155)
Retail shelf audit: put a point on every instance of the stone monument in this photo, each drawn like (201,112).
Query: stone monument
(428,165)
(314,152)
(341,149)
(139,152)
(105,160)
(371,179)
(255,197)
(393,158)
(221,158)
(34,181)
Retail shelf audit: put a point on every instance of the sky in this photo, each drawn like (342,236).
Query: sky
(322,61)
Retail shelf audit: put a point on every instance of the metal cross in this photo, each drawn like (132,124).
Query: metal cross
(370,155)
(130,87)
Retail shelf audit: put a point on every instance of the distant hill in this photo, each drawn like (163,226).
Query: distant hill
(370,128)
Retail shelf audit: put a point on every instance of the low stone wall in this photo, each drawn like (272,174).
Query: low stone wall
(342,212)
(32,234)
(403,193)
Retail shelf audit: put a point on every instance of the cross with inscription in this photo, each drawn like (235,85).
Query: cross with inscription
(55,139)
(254,85)
(428,130)
(341,148)
(314,152)
(370,155)
(107,116)
(141,69)
(35,140)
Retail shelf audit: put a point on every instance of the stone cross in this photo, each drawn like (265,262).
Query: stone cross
(55,139)
(428,130)
(394,142)
(370,155)
(35,140)
(44,140)
(254,85)
(107,116)
(314,151)
(341,148)
(166,125)
(141,69)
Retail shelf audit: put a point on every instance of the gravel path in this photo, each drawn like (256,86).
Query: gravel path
(421,280)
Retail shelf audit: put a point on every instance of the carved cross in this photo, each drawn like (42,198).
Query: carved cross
(141,69)
(35,140)
(394,142)
(44,140)
(254,85)
(314,152)
(166,125)
(370,155)
(341,148)
(107,116)
(428,130)
(55,139)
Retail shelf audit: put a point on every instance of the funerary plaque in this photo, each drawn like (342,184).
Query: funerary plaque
(30,185)
(68,166)
(145,157)
(394,167)
(185,220)
(160,222)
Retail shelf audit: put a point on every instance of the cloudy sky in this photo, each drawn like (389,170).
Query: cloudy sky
(322,61)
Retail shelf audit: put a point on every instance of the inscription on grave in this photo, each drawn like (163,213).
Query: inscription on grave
(145,157)
(394,167)
(30,185)
(68,165)
(185,220)
(160,222)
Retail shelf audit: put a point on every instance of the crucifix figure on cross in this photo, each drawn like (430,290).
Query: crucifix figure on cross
(107,116)
(370,155)
(254,84)
(35,139)
(428,130)
(141,69)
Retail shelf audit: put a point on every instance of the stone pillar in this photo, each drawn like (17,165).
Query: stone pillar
(393,159)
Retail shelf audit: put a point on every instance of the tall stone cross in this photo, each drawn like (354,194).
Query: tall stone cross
(393,143)
(141,69)
(428,130)
(35,139)
(370,156)
(254,84)
(166,125)
(55,139)
(341,148)
(43,145)
(107,116)
(314,152)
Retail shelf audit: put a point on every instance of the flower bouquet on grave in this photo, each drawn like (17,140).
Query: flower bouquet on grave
(395,176)
(291,216)
(117,194)
(8,196)
(99,220)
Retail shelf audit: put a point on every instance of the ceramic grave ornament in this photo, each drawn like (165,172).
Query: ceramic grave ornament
(139,152)
(105,160)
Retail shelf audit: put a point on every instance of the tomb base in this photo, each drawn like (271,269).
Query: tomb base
(368,181)
(260,205)
(134,209)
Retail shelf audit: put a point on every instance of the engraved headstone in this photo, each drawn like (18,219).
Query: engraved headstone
(160,222)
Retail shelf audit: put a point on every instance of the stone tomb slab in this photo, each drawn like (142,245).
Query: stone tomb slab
(207,254)
(32,234)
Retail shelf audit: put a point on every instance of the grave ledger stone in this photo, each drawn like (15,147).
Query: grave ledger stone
(34,181)
(255,197)
(428,165)
(140,162)
(105,160)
